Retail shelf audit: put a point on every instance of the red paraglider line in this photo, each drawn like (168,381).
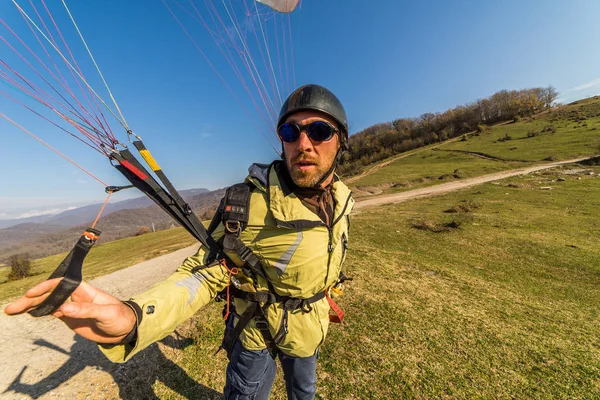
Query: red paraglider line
(66,85)
(211,65)
(52,122)
(75,112)
(53,149)
(287,71)
(109,133)
(289,18)
(232,64)
(93,138)
(247,53)
(34,88)
(278,53)
(270,75)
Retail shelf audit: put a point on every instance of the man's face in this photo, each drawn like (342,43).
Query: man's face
(309,161)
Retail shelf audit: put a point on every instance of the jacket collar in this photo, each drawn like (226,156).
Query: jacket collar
(287,208)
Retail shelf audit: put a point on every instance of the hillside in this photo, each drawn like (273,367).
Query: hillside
(562,133)
(40,240)
(559,133)
(483,293)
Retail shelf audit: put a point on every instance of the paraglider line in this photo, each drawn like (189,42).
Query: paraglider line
(52,148)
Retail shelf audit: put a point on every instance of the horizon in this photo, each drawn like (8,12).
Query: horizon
(416,59)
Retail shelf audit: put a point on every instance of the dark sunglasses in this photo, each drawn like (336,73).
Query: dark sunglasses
(317,131)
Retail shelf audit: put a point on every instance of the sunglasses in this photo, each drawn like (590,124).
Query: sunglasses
(317,131)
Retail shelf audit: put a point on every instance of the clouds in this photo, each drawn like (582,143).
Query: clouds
(25,207)
(591,84)
(587,89)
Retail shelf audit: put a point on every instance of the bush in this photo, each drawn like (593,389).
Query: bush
(465,206)
(549,129)
(505,138)
(143,230)
(20,266)
(436,227)
(482,128)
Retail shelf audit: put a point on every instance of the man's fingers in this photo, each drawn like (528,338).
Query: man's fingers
(44,287)
(80,310)
(24,304)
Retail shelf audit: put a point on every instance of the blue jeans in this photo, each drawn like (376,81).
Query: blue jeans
(250,375)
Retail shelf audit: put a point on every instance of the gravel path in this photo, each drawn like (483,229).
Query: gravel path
(52,362)
(455,185)
(41,358)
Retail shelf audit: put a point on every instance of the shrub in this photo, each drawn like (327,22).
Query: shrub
(482,128)
(465,206)
(505,138)
(143,230)
(436,227)
(532,134)
(20,266)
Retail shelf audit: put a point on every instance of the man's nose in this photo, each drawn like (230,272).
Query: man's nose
(304,143)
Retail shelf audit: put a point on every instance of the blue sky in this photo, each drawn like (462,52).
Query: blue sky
(385,61)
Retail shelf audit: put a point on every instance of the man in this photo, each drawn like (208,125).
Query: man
(289,250)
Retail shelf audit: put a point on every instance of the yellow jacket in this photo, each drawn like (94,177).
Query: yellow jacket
(301,257)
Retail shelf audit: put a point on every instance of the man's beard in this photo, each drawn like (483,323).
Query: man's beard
(309,178)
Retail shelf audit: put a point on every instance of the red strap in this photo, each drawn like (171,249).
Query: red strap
(133,169)
(339,314)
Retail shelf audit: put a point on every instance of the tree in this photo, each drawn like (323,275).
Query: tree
(20,266)
(549,96)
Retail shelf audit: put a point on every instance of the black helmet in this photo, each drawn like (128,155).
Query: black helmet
(316,98)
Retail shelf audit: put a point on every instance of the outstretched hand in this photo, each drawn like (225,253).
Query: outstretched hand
(91,313)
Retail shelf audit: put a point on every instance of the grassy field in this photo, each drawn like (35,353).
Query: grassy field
(491,292)
(103,259)
(565,133)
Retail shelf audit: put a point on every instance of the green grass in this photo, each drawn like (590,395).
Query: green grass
(577,133)
(102,259)
(430,167)
(505,306)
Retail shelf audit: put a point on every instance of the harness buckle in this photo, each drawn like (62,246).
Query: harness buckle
(292,304)
(233,226)
(262,325)
(305,306)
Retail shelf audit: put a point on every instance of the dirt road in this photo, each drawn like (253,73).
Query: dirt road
(455,185)
(41,358)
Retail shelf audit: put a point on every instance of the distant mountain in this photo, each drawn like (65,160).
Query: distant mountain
(81,215)
(43,239)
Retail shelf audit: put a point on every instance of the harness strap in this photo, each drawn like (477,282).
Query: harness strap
(339,314)
(70,269)
(231,336)
(253,298)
